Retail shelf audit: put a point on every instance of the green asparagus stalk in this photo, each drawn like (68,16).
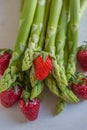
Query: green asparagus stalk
(66,53)
(50,42)
(52,26)
(61,34)
(44,29)
(83,7)
(63,96)
(55,10)
(60,43)
(73,42)
(83,4)
(32,78)
(13,70)
(34,36)
(58,73)
(60,106)
(37,90)
(50,81)
(22,8)
(52,86)
(66,96)
(38,86)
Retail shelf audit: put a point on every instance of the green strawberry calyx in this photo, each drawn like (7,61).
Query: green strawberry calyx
(26,96)
(78,78)
(2,51)
(43,53)
(83,47)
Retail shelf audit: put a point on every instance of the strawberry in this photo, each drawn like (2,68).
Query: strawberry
(11,96)
(82,57)
(80,88)
(30,108)
(42,67)
(5,57)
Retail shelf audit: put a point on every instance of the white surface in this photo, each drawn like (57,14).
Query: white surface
(74,117)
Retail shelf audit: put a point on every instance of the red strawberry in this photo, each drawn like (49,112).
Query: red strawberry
(4,61)
(10,97)
(82,57)
(42,68)
(30,109)
(80,89)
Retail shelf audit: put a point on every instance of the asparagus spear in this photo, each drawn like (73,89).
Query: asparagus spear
(65,25)
(22,8)
(52,27)
(50,81)
(66,48)
(83,6)
(61,34)
(55,10)
(73,43)
(44,29)
(50,42)
(60,106)
(51,84)
(34,36)
(13,70)
(33,80)
(60,42)
(66,96)
(38,86)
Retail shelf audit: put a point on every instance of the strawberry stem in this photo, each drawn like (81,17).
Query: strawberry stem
(26,96)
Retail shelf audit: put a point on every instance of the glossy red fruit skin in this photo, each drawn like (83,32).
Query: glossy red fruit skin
(42,67)
(4,62)
(80,90)
(9,97)
(82,59)
(30,109)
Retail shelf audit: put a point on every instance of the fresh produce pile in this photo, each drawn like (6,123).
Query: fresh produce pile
(45,56)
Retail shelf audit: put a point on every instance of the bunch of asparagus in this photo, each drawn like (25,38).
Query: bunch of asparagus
(47,28)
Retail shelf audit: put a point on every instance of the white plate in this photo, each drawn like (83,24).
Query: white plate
(74,117)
